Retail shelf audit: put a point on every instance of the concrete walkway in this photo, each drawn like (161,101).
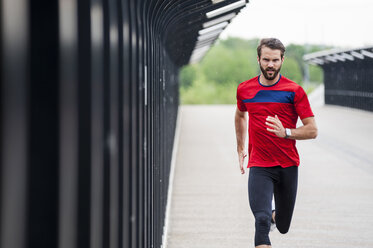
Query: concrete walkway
(334,206)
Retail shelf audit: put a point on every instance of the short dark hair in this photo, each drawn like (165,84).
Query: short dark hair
(272,43)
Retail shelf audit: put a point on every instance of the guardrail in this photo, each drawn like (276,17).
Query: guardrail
(347,76)
(89,101)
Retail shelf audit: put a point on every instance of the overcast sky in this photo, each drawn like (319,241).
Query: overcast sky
(341,23)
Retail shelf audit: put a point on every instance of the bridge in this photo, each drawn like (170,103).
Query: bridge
(89,155)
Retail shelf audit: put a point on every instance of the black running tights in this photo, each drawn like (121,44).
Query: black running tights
(265,182)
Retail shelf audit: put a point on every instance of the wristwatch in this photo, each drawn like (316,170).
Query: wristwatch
(287,133)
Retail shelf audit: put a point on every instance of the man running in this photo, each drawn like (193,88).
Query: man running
(274,104)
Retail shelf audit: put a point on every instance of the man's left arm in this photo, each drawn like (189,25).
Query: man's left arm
(307,131)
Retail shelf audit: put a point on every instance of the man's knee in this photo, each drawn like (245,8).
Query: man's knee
(262,226)
(283,229)
(263,222)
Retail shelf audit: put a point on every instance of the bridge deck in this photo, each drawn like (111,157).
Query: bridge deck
(335,196)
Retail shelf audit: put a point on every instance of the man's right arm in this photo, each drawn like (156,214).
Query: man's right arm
(240,121)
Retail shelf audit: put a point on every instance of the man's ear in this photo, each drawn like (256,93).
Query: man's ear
(257,58)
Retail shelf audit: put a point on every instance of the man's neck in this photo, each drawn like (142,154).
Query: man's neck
(267,82)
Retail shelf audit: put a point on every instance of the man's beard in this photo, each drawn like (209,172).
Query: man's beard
(265,73)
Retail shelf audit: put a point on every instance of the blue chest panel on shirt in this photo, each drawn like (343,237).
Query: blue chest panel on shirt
(272,96)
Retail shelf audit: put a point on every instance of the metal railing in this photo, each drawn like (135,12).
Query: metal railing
(347,76)
(89,101)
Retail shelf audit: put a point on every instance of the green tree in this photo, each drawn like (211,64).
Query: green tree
(296,52)
(316,74)
(292,70)
(231,61)
(234,43)
(187,75)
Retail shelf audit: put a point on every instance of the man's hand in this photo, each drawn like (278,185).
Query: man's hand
(241,158)
(307,131)
(276,126)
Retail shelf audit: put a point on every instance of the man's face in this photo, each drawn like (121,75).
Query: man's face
(270,62)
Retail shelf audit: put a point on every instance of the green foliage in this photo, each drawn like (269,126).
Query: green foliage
(207,92)
(292,70)
(238,43)
(187,76)
(214,80)
(296,53)
(316,73)
(226,64)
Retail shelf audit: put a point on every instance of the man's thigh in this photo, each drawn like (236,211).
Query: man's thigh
(285,192)
(260,189)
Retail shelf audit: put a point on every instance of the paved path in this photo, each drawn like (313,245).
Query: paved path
(334,206)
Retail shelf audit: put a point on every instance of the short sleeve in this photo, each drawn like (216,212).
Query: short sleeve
(240,105)
(302,105)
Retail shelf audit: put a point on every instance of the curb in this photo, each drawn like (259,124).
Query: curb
(171,180)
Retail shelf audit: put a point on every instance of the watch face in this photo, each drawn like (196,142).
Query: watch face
(288,131)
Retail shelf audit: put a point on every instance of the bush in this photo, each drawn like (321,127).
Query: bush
(292,70)
(207,92)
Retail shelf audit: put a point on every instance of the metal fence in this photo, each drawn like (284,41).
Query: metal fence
(347,76)
(89,100)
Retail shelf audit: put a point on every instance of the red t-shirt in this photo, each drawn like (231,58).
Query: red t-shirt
(287,100)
